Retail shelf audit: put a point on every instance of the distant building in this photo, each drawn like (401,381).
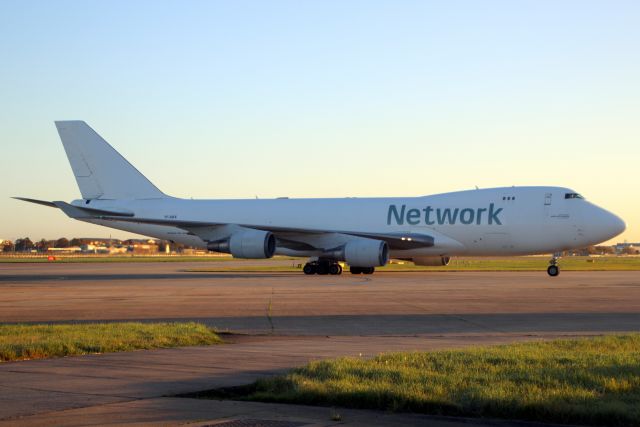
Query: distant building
(626,248)
(193,251)
(103,247)
(69,250)
(141,246)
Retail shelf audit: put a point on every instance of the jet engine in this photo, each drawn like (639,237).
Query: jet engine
(364,253)
(247,243)
(431,260)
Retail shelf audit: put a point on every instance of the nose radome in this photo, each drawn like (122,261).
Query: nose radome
(612,224)
(617,224)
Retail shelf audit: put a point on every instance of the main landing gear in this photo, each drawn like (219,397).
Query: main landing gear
(322,267)
(362,270)
(553,270)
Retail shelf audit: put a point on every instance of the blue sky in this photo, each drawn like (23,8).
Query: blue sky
(318,98)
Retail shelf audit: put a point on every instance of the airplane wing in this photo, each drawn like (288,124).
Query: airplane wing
(394,240)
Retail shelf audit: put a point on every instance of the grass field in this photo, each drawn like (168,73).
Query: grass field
(118,258)
(218,263)
(582,381)
(612,263)
(22,341)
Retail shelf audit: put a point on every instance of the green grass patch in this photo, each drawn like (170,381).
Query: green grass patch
(521,263)
(531,263)
(64,258)
(579,381)
(611,263)
(22,341)
(108,259)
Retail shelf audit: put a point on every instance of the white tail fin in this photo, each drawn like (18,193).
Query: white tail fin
(101,172)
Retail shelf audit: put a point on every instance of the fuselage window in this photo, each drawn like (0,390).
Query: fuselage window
(573,196)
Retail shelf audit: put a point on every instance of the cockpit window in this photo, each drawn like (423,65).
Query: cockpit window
(573,196)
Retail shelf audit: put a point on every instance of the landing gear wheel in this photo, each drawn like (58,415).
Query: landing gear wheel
(362,270)
(335,269)
(322,269)
(309,268)
(553,270)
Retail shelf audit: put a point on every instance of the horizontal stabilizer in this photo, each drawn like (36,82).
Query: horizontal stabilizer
(79,211)
(83,212)
(36,201)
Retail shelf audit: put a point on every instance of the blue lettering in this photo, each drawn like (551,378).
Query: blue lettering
(398,216)
(469,214)
(427,214)
(480,210)
(493,216)
(447,215)
(413,216)
(466,216)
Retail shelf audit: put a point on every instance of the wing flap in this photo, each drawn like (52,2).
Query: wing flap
(394,240)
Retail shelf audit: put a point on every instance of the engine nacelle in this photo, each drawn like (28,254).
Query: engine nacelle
(431,260)
(365,253)
(247,243)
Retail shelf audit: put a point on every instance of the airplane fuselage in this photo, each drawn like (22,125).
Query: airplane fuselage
(497,221)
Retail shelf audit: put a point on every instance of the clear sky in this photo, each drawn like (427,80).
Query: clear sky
(239,99)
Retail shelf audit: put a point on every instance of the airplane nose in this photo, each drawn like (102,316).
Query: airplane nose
(617,224)
(611,224)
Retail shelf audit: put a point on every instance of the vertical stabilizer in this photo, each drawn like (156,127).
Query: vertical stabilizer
(101,172)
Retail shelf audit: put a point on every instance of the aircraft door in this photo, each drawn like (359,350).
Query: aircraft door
(548,197)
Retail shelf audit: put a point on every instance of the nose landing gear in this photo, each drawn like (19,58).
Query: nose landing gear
(553,270)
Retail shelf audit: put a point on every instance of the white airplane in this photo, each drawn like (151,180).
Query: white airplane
(363,232)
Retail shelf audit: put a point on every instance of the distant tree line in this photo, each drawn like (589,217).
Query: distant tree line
(25,244)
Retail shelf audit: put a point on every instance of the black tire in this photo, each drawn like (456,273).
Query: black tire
(335,269)
(322,269)
(355,270)
(368,270)
(309,269)
(553,270)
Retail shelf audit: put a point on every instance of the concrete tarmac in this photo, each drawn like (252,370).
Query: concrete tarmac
(286,319)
